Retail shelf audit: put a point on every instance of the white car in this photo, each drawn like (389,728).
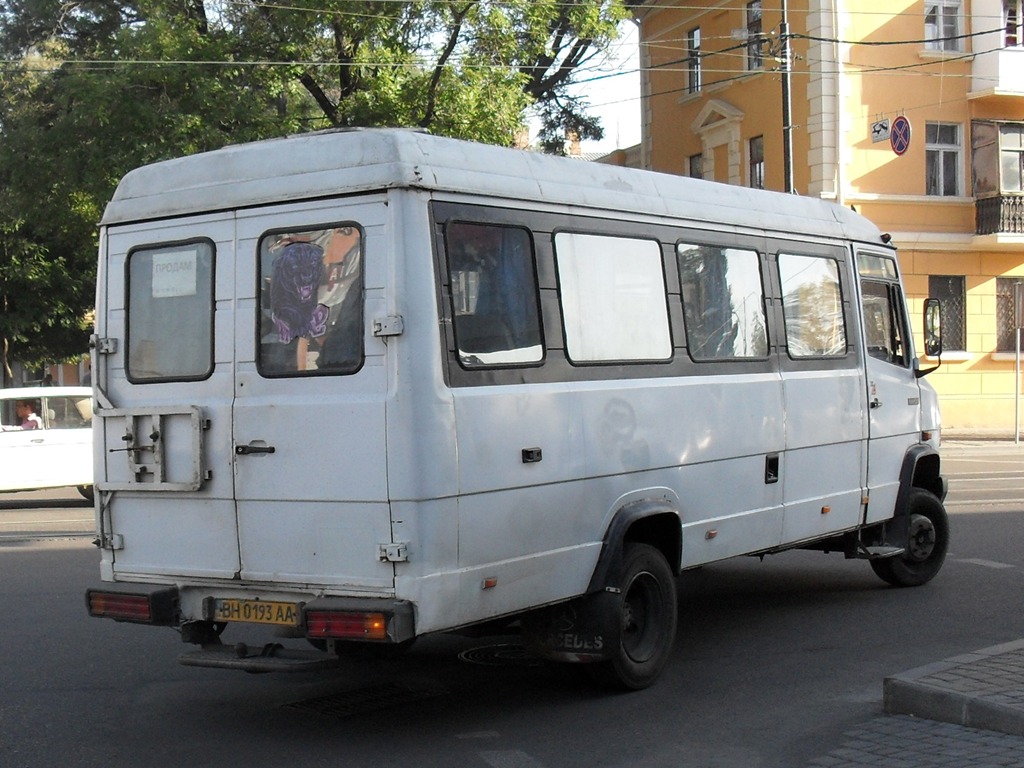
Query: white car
(46,438)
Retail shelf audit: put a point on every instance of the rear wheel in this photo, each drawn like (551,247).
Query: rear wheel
(647,616)
(86,491)
(927,543)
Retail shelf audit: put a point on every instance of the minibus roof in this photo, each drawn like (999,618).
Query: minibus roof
(341,162)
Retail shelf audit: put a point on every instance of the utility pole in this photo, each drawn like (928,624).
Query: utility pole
(787,106)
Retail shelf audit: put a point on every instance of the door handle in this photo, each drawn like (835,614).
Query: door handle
(876,403)
(248,450)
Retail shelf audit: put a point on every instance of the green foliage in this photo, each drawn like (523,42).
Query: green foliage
(40,317)
(92,89)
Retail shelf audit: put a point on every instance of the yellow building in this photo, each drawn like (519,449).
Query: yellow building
(861,73)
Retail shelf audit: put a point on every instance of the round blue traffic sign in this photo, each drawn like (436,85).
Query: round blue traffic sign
(899,135)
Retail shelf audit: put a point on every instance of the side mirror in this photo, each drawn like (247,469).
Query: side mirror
(932,333)
(932,328)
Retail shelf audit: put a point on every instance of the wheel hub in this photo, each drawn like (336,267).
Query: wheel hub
(639,624)
(921,542)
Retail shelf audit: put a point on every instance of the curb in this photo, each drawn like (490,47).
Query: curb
(982,690)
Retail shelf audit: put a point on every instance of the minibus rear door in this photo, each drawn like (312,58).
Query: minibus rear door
(310,391)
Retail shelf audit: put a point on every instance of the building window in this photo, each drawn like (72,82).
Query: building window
(951,291)
(755,41)
(997,158)
(942,25)
(942,159)
(1012,14)
(1006,320)
(696,166)
(757,162)
(693,60)
(1011,157)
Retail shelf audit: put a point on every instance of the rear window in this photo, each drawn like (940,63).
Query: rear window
(311,301)
(170,312)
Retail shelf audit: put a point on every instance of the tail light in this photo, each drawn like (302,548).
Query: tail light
(346,625)
(159,607)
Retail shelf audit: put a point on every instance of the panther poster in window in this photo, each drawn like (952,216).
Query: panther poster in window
(311,319)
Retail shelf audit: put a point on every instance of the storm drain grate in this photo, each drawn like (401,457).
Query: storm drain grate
(363,700)
(504,655)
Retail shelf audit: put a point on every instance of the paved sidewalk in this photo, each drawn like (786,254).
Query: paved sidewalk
(984,689)
(967,711)
(902,741)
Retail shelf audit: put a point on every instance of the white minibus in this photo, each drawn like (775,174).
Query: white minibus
(355,387)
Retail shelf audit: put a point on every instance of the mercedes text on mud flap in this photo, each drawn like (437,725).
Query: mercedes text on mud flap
(358,387)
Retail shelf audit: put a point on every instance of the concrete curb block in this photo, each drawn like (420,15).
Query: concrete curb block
(927,692)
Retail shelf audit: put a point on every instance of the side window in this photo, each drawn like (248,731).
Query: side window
(311,301)
(812,303)
(884,325)
(723,302)
(21,413)
(8,414)
(614,307)
(170,312)
(495,308)
(67,412)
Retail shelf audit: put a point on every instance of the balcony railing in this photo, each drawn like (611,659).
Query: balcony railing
(1003,214)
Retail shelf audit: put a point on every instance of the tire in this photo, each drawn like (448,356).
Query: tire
(926,547)
(647,616)
(86,491)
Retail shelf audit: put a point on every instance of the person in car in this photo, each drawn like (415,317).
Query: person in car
(26,410)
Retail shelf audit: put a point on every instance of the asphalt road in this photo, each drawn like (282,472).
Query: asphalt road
(53,513)
(774,662)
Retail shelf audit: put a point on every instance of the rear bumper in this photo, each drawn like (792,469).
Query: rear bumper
(378,620)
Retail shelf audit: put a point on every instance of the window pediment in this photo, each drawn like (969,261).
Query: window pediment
(714,114)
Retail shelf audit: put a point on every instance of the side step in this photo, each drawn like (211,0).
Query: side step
(269,658)
(879,553)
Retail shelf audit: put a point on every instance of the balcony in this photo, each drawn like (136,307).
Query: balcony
(997,72)
(1003,214)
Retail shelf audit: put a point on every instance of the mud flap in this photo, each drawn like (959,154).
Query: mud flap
(583,630)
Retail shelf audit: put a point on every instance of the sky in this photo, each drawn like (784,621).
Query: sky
(615,98)
(613,90)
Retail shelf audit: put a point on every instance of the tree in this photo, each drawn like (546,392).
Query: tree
(465,68)
(37,323)
(93,88)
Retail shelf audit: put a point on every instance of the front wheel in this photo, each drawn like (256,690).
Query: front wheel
(86,491)
(927,543)
(647,616)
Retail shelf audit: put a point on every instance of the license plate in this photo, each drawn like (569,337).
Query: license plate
(256,611)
